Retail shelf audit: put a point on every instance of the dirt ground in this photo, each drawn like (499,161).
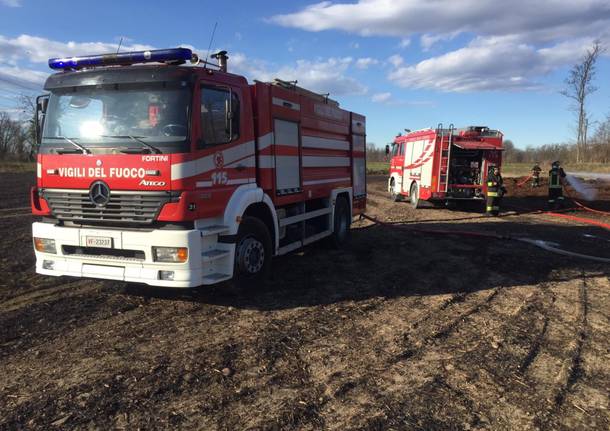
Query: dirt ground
(401,330)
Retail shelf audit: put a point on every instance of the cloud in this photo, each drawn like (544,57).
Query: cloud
(38,49)
(488,63)
(389,100)
(509,45)
(321,75)
(546,18)
(404,42)
(366,62)
(381,97)
(11,3)
(23,79)
(428,40)
(396,60)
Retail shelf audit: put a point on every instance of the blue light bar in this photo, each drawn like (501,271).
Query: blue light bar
(173,55)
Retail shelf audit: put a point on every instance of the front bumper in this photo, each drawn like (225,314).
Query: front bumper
(129,269)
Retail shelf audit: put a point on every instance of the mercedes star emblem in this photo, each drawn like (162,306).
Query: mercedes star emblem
(99,193)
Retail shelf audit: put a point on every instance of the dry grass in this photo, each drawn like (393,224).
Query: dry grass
(9,167)
(377,168)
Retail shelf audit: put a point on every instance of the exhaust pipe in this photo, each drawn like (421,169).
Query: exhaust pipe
(222,58)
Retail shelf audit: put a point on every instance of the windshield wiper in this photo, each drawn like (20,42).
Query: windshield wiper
(136,139)
(79,146)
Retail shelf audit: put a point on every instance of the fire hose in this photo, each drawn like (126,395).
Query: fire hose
(584,207)
(538,243)
(578,204)
(520,184)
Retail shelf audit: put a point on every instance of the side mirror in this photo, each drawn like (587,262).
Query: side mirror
(387,150)
(41,110)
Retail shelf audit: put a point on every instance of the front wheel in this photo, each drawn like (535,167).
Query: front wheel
(252,252)
(414,196)
(393,195)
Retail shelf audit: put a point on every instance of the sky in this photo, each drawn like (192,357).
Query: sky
(404,64)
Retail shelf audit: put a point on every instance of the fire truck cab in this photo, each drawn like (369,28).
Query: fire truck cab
(185,175)
(444,164)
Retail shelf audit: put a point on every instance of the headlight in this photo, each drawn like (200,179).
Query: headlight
(170,254)
(45,245)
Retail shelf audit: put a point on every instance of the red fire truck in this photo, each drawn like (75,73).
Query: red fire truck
(443,165)
(185,175)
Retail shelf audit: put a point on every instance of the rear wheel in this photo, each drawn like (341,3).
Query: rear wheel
(414,196)
(252,252)
(341,223)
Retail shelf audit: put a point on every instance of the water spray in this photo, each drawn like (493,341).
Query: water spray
(591,176)
(584,190)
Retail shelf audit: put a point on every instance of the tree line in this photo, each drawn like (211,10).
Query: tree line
(18,135)
(597,150)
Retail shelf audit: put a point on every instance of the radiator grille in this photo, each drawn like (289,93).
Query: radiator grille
(123,206)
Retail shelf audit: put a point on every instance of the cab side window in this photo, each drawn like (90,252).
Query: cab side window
(219,116)
(394,150)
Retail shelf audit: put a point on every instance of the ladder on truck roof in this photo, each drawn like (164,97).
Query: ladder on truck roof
(292,85)
(443,167)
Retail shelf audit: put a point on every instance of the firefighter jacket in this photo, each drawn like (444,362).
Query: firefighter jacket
(495,185)
(555,175)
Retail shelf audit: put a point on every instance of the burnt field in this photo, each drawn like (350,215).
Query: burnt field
(400,330)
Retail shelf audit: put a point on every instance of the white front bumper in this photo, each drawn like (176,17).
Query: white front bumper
(188,274)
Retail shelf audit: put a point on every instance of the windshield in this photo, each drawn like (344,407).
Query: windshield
(125,117)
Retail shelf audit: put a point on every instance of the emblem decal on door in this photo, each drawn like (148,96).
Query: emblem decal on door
(219,160)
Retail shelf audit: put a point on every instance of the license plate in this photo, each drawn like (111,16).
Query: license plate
(99,241)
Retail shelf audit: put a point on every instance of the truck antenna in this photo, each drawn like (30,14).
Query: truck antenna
(120,43)
(205,63)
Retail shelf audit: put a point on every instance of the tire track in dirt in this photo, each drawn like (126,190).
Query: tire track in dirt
(537,343)
(341,386)
(16,215)
(37,296)
(575,371)
(476,410)
(118,329)
(445,330)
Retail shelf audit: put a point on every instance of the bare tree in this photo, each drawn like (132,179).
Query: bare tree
(601,142)
(12,138)
(28,107)
(579,85)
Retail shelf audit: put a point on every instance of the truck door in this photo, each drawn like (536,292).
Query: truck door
(398,163)
(224,154)
(416,157)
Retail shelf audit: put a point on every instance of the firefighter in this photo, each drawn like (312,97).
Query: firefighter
(495,191)
(536,175)
(555,185)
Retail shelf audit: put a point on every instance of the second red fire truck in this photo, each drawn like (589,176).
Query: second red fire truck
(180,176)
(443,164)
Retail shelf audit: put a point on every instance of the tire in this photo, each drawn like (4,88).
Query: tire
(341,223)
(252,253)
(414,196)
(393,195)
